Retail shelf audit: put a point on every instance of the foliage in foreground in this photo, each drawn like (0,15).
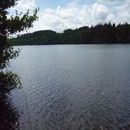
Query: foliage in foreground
(11,25)
(8,81)
(8,114)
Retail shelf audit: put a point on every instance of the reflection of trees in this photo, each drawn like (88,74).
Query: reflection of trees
(8,114)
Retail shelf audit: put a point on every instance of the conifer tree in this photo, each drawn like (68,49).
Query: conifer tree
(12,25)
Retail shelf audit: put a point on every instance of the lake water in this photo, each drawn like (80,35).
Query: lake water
(73,87)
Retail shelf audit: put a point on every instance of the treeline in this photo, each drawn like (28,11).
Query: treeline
(101,33)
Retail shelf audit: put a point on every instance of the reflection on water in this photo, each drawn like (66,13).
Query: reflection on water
(68,87)
(8,114)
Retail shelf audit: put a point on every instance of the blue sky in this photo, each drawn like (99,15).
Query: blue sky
(59,15)
(42,4)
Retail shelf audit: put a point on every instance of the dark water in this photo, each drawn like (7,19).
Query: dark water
(73,87)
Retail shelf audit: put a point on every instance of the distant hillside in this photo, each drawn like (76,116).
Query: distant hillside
(101,33)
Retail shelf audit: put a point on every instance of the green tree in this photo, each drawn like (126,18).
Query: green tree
(12,25)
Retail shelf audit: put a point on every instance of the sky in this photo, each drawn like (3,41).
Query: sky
(59,15)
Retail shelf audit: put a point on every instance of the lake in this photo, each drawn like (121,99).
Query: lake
(73,87)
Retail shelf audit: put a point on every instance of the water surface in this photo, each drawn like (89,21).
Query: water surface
(73,87)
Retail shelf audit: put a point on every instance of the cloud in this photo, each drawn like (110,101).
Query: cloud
(120,13)
(74,15)
(71,16)
(111,1)
(24,5)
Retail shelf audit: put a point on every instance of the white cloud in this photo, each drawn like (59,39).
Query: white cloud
(74,15)
(71,17)
(23,5)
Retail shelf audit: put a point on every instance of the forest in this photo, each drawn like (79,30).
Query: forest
(99,34)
